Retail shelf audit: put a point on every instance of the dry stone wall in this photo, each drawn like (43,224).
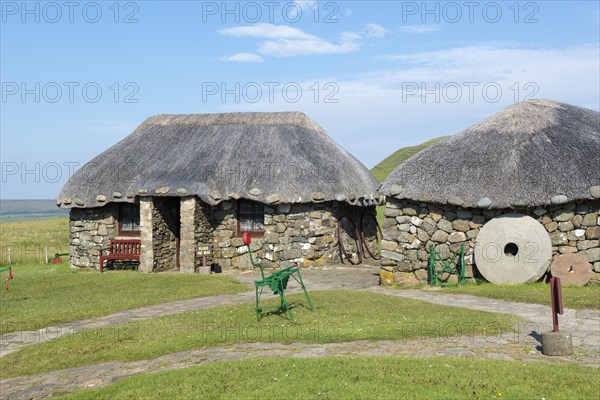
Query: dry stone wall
(410,228)
(91,230)
(303,233)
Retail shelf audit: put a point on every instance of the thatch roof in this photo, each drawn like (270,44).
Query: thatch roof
(534,153)
(282,157)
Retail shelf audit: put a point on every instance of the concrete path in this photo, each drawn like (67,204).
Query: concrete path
(525,346)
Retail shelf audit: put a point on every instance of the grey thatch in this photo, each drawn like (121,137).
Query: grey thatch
(534,153)
(267,157)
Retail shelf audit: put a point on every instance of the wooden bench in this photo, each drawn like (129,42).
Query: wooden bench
(121,249)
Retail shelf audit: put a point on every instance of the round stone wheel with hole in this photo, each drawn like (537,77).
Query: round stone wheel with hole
(513,249)
(572,269)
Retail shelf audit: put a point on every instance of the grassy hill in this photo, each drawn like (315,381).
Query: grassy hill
(385,167)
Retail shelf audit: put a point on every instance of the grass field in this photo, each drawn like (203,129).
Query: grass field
(28,239)
(586,297)
(359,378)
(340,316)
(42,295)
(387,165)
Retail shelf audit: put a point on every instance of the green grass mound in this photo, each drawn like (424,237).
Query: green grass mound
(359,378)
(340,316)
(388,164)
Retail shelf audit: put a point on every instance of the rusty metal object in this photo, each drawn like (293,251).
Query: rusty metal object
(369,224)
(572,269)
(557,304)
(347,229)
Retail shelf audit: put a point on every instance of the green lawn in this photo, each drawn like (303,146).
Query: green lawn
(585,297)
(41,295)
(359,378)
(340,316)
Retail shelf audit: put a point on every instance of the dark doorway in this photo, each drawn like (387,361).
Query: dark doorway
(166,233)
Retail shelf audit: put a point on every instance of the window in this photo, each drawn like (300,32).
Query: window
(251,217)
(129,219)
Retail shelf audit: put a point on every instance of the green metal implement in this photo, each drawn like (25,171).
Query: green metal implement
(277,282)
(436,272)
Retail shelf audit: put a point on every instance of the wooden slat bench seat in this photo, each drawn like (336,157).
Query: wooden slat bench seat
(121,249)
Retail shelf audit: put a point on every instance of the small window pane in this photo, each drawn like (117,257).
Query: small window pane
(251,216)
(130,217)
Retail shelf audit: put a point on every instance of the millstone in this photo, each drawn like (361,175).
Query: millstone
(572,269)
(513,249)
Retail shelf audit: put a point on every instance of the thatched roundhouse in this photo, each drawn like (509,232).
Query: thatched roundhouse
(181,182)
(538,158)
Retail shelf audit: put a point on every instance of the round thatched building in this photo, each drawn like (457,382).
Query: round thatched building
(180,183)
(539,159)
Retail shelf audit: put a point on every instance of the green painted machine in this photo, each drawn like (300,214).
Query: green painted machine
(277,282)
(440,270)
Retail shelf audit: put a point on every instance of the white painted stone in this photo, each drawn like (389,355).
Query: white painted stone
(579,232)
(395,190)
(559,199)
(484,202)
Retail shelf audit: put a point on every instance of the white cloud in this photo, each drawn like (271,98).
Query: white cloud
(291,48)
(300,5)
(285,41)
(243,58)
(419,29)
(267,31)
(565,74)
(374,31)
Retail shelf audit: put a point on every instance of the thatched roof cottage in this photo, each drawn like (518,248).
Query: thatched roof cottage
(180,182)
(538,158)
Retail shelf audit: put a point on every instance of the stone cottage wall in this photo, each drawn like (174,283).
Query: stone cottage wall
(165,228)
(410,227)
(91,230)
(303,233)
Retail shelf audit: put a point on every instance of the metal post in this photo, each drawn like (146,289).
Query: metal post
(46,254)
(9,254)
(556,298)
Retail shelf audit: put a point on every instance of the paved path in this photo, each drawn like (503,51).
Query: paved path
(315,279)
(585,324)
(524,347)
(74,379)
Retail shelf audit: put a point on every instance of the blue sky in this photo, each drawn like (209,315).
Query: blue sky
(77,77)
